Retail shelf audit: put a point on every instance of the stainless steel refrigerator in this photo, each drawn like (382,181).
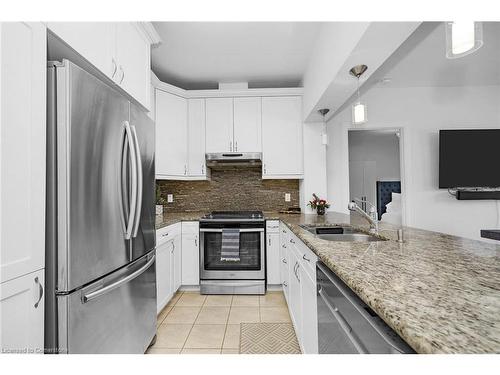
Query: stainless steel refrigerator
(100,257)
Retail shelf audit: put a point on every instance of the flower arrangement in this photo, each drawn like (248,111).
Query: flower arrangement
(320,205)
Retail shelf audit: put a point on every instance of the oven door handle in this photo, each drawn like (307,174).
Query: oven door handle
(242,230)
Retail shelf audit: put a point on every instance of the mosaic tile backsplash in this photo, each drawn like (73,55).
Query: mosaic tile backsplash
(240,188)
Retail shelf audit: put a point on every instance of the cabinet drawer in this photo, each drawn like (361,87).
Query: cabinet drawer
(167,233)
(272,226)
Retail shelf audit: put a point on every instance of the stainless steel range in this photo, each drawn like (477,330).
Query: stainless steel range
(232,253)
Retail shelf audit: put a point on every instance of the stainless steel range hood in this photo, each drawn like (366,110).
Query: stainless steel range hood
(233,159)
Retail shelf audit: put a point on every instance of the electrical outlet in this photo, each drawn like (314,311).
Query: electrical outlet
(170,198)
(287,197)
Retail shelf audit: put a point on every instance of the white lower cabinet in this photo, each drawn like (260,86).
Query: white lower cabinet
(273,253)
(163,290)
(168,263)
(22,314)
(190,253)
(298,272)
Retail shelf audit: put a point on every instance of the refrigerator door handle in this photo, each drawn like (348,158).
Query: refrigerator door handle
(86,297)
(139,179)
(129,145)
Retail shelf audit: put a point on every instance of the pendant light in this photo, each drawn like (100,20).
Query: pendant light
(324,135)
(359,111)
(463,38)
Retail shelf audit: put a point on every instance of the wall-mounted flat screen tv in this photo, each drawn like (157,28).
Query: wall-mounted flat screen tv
(469,158)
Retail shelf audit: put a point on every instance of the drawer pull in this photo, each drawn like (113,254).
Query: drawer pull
(304,257)
(291,240)
(283,260)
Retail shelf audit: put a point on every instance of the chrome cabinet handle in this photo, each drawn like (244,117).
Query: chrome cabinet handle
(269,240)
(165,235)
(265,169)
(291,240)
(236,146)
(230,145)
(115,68)
(203,169)
(284,260)
(196,241)
(173,247)
(40,292)
(283,246)
(285,284)
(304,257)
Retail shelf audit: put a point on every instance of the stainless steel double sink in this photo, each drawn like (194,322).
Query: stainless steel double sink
(341,233)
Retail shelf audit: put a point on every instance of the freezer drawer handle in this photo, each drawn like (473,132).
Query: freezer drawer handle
(343,323)
(97,293)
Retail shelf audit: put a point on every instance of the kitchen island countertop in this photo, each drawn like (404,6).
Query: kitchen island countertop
(440,293)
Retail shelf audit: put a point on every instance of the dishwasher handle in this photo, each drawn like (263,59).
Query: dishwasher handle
(343,323)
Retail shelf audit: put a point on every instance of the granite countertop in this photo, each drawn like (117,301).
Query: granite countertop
(441,293)
(169,218)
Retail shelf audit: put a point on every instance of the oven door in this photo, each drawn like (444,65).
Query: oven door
(251,265)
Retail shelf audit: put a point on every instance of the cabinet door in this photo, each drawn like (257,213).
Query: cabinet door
(309,314)
(93,40)
(247,125)
(295,306)
(133,59)
(273,259)
(219,125)
(163,284)
(177,262)
(282,137)
(171,135)
(190,259)
(23,65)
(196,137)
(22,314)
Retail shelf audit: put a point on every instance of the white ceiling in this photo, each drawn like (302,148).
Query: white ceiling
(421,60)
(198,55)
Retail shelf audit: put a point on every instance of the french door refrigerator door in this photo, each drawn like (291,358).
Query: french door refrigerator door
(143,230)
(116,314)
(94,153)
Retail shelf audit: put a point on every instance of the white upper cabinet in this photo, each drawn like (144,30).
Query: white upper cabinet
(219,125)
(92,40)
(282,137)
(196,137)
(133,59)
(247,124)
(23,67)
(171,135)
(119,50)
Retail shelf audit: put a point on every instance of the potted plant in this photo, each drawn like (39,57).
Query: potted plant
(160,201)
(320,205)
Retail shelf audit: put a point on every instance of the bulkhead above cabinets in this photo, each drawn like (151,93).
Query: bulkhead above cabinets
(191,124)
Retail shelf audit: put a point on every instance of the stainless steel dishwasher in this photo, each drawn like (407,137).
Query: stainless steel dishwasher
(347,325)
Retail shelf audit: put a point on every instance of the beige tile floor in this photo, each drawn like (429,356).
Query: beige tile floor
(196,324)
